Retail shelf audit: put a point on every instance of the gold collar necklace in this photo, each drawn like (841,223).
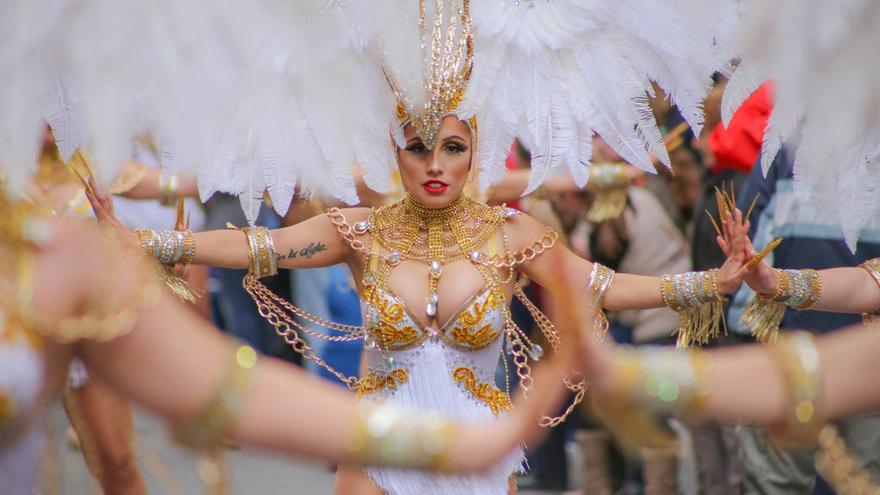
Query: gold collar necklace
(434,236)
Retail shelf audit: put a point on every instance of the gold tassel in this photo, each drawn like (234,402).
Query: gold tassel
(763,317)
(178,286)
(600,329)
(608,204)
(700,324)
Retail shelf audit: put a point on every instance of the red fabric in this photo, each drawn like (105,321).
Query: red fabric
(737,146)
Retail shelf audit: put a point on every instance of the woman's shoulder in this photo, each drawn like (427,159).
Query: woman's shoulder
(524,230)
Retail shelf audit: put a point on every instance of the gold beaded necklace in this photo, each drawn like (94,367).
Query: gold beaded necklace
(434,236)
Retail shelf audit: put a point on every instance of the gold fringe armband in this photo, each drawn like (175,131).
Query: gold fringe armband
(799,289)
(873,268)
(700,307)
(611,187)
(387,435)
(600,280)
(651,384)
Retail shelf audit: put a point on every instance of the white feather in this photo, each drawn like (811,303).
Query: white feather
(746,79)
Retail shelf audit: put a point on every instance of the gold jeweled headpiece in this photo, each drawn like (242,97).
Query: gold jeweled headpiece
(446,69)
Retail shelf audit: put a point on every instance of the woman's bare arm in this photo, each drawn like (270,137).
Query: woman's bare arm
(312,243)
(746,385)
(627,291)
(148,187)
(844,290)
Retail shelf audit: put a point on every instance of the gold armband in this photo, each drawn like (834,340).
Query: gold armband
(261,252)
(799,289)
(207,429)
(600,280)
(700,307)
(650,384)
(387,435)
(873,268)
(168,188)
(168,247)
(798,360)
(611,188)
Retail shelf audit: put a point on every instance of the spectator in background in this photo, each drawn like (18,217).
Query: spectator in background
(812,238)
(235,311)
(644,240)
(728,155)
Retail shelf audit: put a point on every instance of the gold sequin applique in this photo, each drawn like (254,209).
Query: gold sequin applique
(470,330)
(375,382)
(484,392)
(389,332)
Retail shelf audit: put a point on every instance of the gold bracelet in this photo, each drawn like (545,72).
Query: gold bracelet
(600,280)
(664,381)
(608,176)
(873,268)
(168,247)
(651,383)
(700,307)
(610,186)
(261,252)
(387,435)
(799,289)
(168,188)
(208,427)
(798,360)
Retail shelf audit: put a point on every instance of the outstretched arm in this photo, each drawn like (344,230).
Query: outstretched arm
(844,290)
(745,384)
(311,243)
(626,291)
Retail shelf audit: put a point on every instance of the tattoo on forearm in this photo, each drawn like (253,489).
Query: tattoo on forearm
(307,252)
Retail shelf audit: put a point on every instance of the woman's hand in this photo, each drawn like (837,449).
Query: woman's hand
(102,205)
(761,278)
(733,244)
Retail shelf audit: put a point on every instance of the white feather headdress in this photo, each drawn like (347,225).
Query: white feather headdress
(276,95)
(821,57)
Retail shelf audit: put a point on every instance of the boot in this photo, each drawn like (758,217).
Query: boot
(660,471)
(594,444)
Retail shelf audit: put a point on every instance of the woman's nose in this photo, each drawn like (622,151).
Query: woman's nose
(434,167)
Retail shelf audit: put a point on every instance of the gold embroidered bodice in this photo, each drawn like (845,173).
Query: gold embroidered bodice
(478,323)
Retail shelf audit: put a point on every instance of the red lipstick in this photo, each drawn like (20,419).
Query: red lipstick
(435,186)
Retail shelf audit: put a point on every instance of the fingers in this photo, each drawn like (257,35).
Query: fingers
(725,247)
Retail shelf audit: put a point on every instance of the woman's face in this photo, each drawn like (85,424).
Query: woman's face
(436,178)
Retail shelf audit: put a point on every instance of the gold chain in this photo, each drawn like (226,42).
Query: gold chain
(285,327)
(265,294)
(526,254)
